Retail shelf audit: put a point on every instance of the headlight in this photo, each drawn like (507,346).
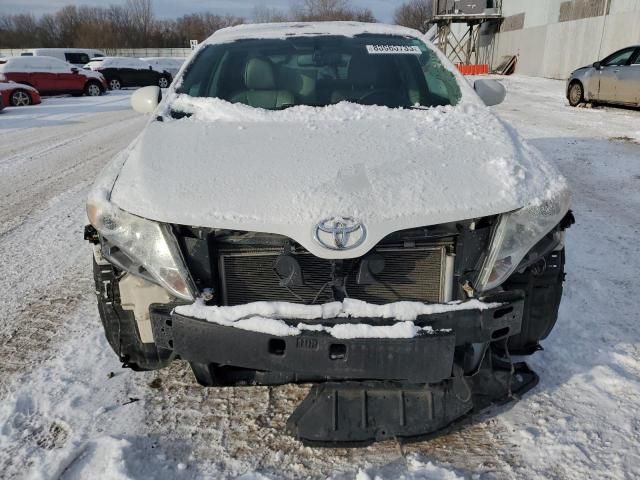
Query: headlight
(516,234)
(145,242)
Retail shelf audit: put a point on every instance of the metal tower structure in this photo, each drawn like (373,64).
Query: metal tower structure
(461,45)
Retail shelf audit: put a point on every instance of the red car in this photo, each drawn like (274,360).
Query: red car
(51,76)
(18,95)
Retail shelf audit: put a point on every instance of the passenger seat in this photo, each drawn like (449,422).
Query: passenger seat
(261,91)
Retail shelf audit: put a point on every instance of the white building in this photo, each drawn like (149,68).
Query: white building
(553,37)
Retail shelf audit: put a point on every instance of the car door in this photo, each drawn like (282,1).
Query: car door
(144,74)
(609,73)
(628,86)
(69,80)
(41,75)
(66,76)
(149,77)
(128,76)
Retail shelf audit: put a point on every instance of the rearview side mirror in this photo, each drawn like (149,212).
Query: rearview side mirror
(74,70)
(146,99)
(490,91)
(597,65)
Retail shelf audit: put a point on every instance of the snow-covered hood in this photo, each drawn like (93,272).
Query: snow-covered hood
(235,167)
(91,74)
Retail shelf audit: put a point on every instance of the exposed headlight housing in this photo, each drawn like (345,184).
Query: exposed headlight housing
(145,242)
(515,235)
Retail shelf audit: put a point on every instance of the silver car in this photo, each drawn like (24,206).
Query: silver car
(616,79)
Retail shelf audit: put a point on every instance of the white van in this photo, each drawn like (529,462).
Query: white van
(74,56)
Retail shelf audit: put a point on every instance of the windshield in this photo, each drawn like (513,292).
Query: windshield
(384,70)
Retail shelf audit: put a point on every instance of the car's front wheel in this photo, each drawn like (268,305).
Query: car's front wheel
(92,89)
(114,84)
(576,94)
(20,98)
(163,82)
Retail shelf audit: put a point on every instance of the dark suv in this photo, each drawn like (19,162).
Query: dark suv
(123,72)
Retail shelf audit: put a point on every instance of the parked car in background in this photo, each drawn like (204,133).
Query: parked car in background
(1,103)
(74,56)
(18,95)
(123,72)
(616,79)
(166,64)
(51,76)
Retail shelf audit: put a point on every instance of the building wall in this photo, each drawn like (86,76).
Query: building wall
(554,37)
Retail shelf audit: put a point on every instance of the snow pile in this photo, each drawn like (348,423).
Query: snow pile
(284,30)
(415,470)
(102,458)
(268,317)
(208,109)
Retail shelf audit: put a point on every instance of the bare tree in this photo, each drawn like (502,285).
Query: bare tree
(323,10)
(142,20)
(414,14)
(25,29)
(264,14)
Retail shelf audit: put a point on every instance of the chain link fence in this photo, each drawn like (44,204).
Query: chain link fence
(120,52)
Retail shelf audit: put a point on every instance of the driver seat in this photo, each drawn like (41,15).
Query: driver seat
(363,76)
(260,84)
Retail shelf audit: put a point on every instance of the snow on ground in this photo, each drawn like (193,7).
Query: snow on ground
(68,411)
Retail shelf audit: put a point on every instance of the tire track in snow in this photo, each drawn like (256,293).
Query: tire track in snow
(46,271)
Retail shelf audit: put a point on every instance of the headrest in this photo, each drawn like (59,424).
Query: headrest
(258,75)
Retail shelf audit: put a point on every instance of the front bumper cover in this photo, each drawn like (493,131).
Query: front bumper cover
(366,390)
(317,356)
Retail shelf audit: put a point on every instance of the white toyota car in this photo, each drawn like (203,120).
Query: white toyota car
(332,204)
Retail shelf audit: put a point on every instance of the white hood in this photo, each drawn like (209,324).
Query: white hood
(234,167)
(91,74)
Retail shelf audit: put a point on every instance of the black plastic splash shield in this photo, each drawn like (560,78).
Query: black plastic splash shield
(355,414)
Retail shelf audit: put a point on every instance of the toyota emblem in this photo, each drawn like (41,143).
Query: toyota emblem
(340,233)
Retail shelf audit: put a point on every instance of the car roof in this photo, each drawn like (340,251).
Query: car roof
(284,30)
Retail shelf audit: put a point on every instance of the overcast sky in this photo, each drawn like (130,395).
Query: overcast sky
(383,9)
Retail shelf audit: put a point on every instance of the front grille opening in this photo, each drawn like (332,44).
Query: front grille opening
(337,351)
(415,273)
(503,332)
(277,347)
(502,312)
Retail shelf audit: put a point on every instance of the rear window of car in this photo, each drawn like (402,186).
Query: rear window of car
(77,58)
(386,70)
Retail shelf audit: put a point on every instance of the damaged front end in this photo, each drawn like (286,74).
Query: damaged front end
(367,386)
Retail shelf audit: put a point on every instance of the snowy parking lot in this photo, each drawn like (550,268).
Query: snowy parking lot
(68,410)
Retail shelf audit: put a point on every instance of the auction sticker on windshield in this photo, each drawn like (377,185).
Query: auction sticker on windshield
(393,50)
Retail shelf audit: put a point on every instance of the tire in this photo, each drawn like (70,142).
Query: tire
(114,84)
(163,82)
(92,89)
(575,94)
(20,98)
